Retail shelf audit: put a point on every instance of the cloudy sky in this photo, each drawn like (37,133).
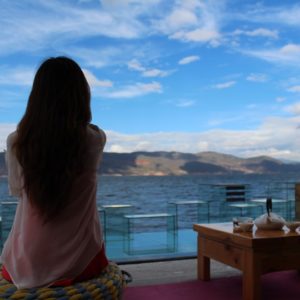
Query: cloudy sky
(186,75)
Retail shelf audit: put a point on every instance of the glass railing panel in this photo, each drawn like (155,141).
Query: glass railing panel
(148,208)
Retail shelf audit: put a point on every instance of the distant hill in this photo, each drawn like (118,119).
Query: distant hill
(176,163)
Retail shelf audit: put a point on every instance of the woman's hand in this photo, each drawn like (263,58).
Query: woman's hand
(94,127)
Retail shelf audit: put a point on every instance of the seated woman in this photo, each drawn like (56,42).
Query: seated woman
(52,161)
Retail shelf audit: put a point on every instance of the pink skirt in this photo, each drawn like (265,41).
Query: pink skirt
(94,268)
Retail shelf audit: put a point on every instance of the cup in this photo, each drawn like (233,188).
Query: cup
(244,224)
(246,227)
(292,226)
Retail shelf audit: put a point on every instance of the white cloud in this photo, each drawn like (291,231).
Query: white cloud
(129,8)
(16,76)
(180,17)
(288,54)
(294,89)
(217,122)
(197,35)
(188,60)
(99,57)
(280,14)
(294,108)
(280,99)
(251,106)
(23,76)
(290,49)
(155,73)
(47,24)
(135,65)
(185,103)
(277,137)
(61,27)
(263,32)
(287,15)
(224,85)
(94,81)
(135,90)
(257,77)
(193,21)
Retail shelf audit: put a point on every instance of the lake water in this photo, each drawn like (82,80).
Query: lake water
(151,194)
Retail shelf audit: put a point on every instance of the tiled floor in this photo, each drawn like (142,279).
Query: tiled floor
(173,271)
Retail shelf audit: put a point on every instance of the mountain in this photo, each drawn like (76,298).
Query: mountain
(176,163)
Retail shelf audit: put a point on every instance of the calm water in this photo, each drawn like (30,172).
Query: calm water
(151,194)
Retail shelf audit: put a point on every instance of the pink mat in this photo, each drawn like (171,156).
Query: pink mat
(275,286)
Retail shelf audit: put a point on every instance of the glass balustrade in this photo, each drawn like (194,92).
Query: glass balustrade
(132,233)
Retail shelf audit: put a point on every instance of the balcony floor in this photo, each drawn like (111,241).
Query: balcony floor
(173,271)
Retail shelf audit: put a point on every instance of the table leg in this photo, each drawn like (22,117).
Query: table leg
(203,262)
(251,277)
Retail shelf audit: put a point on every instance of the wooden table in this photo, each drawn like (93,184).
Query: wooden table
(254,253)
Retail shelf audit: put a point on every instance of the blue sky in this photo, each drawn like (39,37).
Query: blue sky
(186,76)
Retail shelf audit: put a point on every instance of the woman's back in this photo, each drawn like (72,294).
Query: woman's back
(37,253)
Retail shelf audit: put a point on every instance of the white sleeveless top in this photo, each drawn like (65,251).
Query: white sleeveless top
(37,254)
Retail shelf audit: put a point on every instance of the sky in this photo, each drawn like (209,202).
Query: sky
(166,75)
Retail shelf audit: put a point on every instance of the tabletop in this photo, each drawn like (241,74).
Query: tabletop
(256,238)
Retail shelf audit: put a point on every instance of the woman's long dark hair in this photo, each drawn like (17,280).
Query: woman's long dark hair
(51,136)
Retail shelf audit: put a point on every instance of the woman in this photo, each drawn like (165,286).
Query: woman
(52,161)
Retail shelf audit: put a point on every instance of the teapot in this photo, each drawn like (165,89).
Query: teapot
(270,220)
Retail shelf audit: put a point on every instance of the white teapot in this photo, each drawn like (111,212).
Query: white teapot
(269,221)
